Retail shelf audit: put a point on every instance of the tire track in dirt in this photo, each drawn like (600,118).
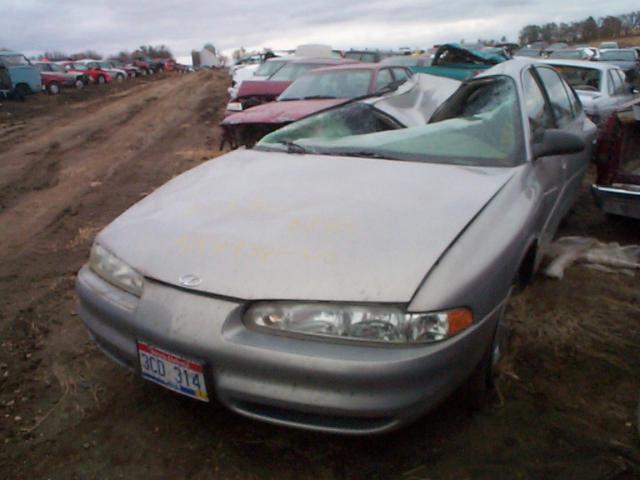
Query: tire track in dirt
(86,151)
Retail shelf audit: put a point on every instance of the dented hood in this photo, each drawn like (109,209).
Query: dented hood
(281,112)
(268,225)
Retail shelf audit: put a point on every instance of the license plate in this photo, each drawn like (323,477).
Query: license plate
(172,371)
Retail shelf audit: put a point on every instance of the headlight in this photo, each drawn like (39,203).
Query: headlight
(115,271)
(368,323)
(234,106)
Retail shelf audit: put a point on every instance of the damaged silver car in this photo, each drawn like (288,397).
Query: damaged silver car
(344,282)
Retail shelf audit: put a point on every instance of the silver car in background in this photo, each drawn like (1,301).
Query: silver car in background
(602,87)
(344,281)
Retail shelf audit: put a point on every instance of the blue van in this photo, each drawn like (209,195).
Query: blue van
(17,75)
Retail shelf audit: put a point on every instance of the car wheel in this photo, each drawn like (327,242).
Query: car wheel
(21,91)
(101,80)
(79,84)
(478,387)
(120,78)
(53,88)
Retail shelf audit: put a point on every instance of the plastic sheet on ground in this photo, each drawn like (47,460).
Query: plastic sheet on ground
(607,257)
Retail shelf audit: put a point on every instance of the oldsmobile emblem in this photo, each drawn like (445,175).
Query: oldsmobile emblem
(189,281)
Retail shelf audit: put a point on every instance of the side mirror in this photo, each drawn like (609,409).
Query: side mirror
(557,142)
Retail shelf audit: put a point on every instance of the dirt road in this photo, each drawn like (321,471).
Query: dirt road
(567,393)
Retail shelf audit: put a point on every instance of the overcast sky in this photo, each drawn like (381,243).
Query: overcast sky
(108,26)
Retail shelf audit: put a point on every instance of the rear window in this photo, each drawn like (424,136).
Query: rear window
(293,71)
(269,68)
(581,78)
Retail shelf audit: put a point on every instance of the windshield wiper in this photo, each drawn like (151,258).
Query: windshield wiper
(293,147)
(318,97)
(363,154)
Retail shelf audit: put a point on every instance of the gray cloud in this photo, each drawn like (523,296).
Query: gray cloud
(32,26)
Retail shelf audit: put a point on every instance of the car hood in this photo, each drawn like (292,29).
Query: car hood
(282,111)
(270,225)
(270,88)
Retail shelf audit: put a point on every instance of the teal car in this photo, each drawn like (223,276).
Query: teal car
(18,75)
(460,62)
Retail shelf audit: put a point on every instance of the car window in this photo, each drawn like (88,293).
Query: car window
(269,68)
(535,105)
(558,96)
(329,84)
(479,125)
(623,80)
(345,120)
(42,67)
(383,79)
(400,73)
(14,60)
(581,78)
(616,84)
(293,71)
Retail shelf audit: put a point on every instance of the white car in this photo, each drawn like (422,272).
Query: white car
(255,72)
(601,87)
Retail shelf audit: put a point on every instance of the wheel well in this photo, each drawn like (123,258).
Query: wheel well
(527,267)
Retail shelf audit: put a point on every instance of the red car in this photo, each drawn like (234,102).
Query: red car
(314,91)
(96,75)
(53,77)
(252,93)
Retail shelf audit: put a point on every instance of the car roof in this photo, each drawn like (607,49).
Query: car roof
(579,63)
(355,66)
(325,61)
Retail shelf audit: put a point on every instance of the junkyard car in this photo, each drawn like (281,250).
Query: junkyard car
(407,60)
(252,93)
(255,72)
(21,77)
(628,59)
(96,75)
(117,74)
(314,91)
(617,187)
(55,76)
(602,87)
(346,284)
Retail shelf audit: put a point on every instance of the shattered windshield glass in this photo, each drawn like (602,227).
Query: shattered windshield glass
(343,121)
(330,84)
(479,125)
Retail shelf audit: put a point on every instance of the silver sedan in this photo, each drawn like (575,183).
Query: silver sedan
(344,280)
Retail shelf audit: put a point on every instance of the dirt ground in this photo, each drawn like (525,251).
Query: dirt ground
(567,394)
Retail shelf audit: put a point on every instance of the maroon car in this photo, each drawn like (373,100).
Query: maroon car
(252,93)
(314,91)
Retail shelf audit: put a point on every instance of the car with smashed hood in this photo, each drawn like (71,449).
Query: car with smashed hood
(252,92)
(349,284)
(316,90)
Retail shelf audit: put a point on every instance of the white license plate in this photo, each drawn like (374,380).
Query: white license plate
(172,371)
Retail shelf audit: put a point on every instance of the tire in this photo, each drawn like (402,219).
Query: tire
(120,78)
(53,88)
(478,388)
(21,91)
(101,80)
(79,84)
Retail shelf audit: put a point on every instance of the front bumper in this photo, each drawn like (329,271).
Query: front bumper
(332,387)
(618,200)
